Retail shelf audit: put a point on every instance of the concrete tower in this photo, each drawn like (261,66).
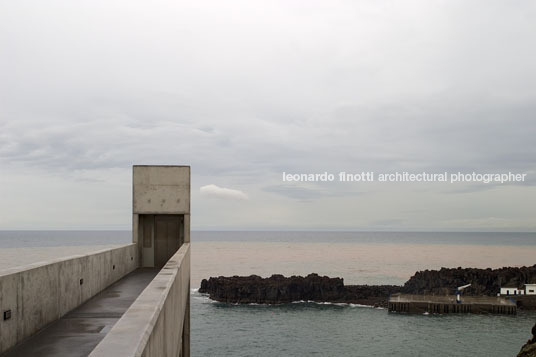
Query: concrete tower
(161,212)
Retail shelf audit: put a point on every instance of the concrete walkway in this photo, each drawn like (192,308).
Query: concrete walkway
(78,332)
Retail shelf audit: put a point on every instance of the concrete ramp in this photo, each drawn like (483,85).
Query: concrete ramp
(78,332)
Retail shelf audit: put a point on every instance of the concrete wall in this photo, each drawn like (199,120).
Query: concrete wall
(161,189)
(158,322)
(41,293)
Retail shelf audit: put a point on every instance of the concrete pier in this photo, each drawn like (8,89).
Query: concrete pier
(434,304)
(130,300)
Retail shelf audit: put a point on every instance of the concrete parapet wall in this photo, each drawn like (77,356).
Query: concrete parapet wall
(39,294)
(153,325)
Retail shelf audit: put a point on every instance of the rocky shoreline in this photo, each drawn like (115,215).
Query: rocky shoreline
(529,348)
(483,281)
(279,289)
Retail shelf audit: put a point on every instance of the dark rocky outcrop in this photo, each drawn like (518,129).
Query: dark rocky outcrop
(278,289)
(529,348)
(483,281)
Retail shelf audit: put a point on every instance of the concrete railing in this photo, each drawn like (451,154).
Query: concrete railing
(158,322)
(38,294)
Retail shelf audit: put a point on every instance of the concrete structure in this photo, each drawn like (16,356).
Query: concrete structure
(525,302)
(525,297)
(512,290)
(86,325)
(161,211)
(34,296)
(436,304)
(158,322)
(530,289)
(155,323)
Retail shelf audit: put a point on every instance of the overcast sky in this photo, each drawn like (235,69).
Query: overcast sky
(245,90)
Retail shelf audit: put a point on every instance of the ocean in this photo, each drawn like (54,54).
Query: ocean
(304,329)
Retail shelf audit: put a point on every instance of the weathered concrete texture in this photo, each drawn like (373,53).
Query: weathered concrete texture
(161,189)
(79,331)
(153,325)
(41,293)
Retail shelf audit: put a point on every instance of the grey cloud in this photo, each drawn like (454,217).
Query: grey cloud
(379,86)
(294,192)
(306,193)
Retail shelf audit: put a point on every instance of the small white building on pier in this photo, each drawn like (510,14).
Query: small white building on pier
(530,289)
(514,290)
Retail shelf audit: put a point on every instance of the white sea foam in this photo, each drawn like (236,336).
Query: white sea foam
(335,304)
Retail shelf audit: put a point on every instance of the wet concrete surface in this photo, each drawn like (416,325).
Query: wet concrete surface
(78,332)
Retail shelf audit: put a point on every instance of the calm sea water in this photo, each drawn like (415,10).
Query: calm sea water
(304,329)
(15,239)
(307,329)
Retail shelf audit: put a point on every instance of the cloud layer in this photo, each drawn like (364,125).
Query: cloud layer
(243,91)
